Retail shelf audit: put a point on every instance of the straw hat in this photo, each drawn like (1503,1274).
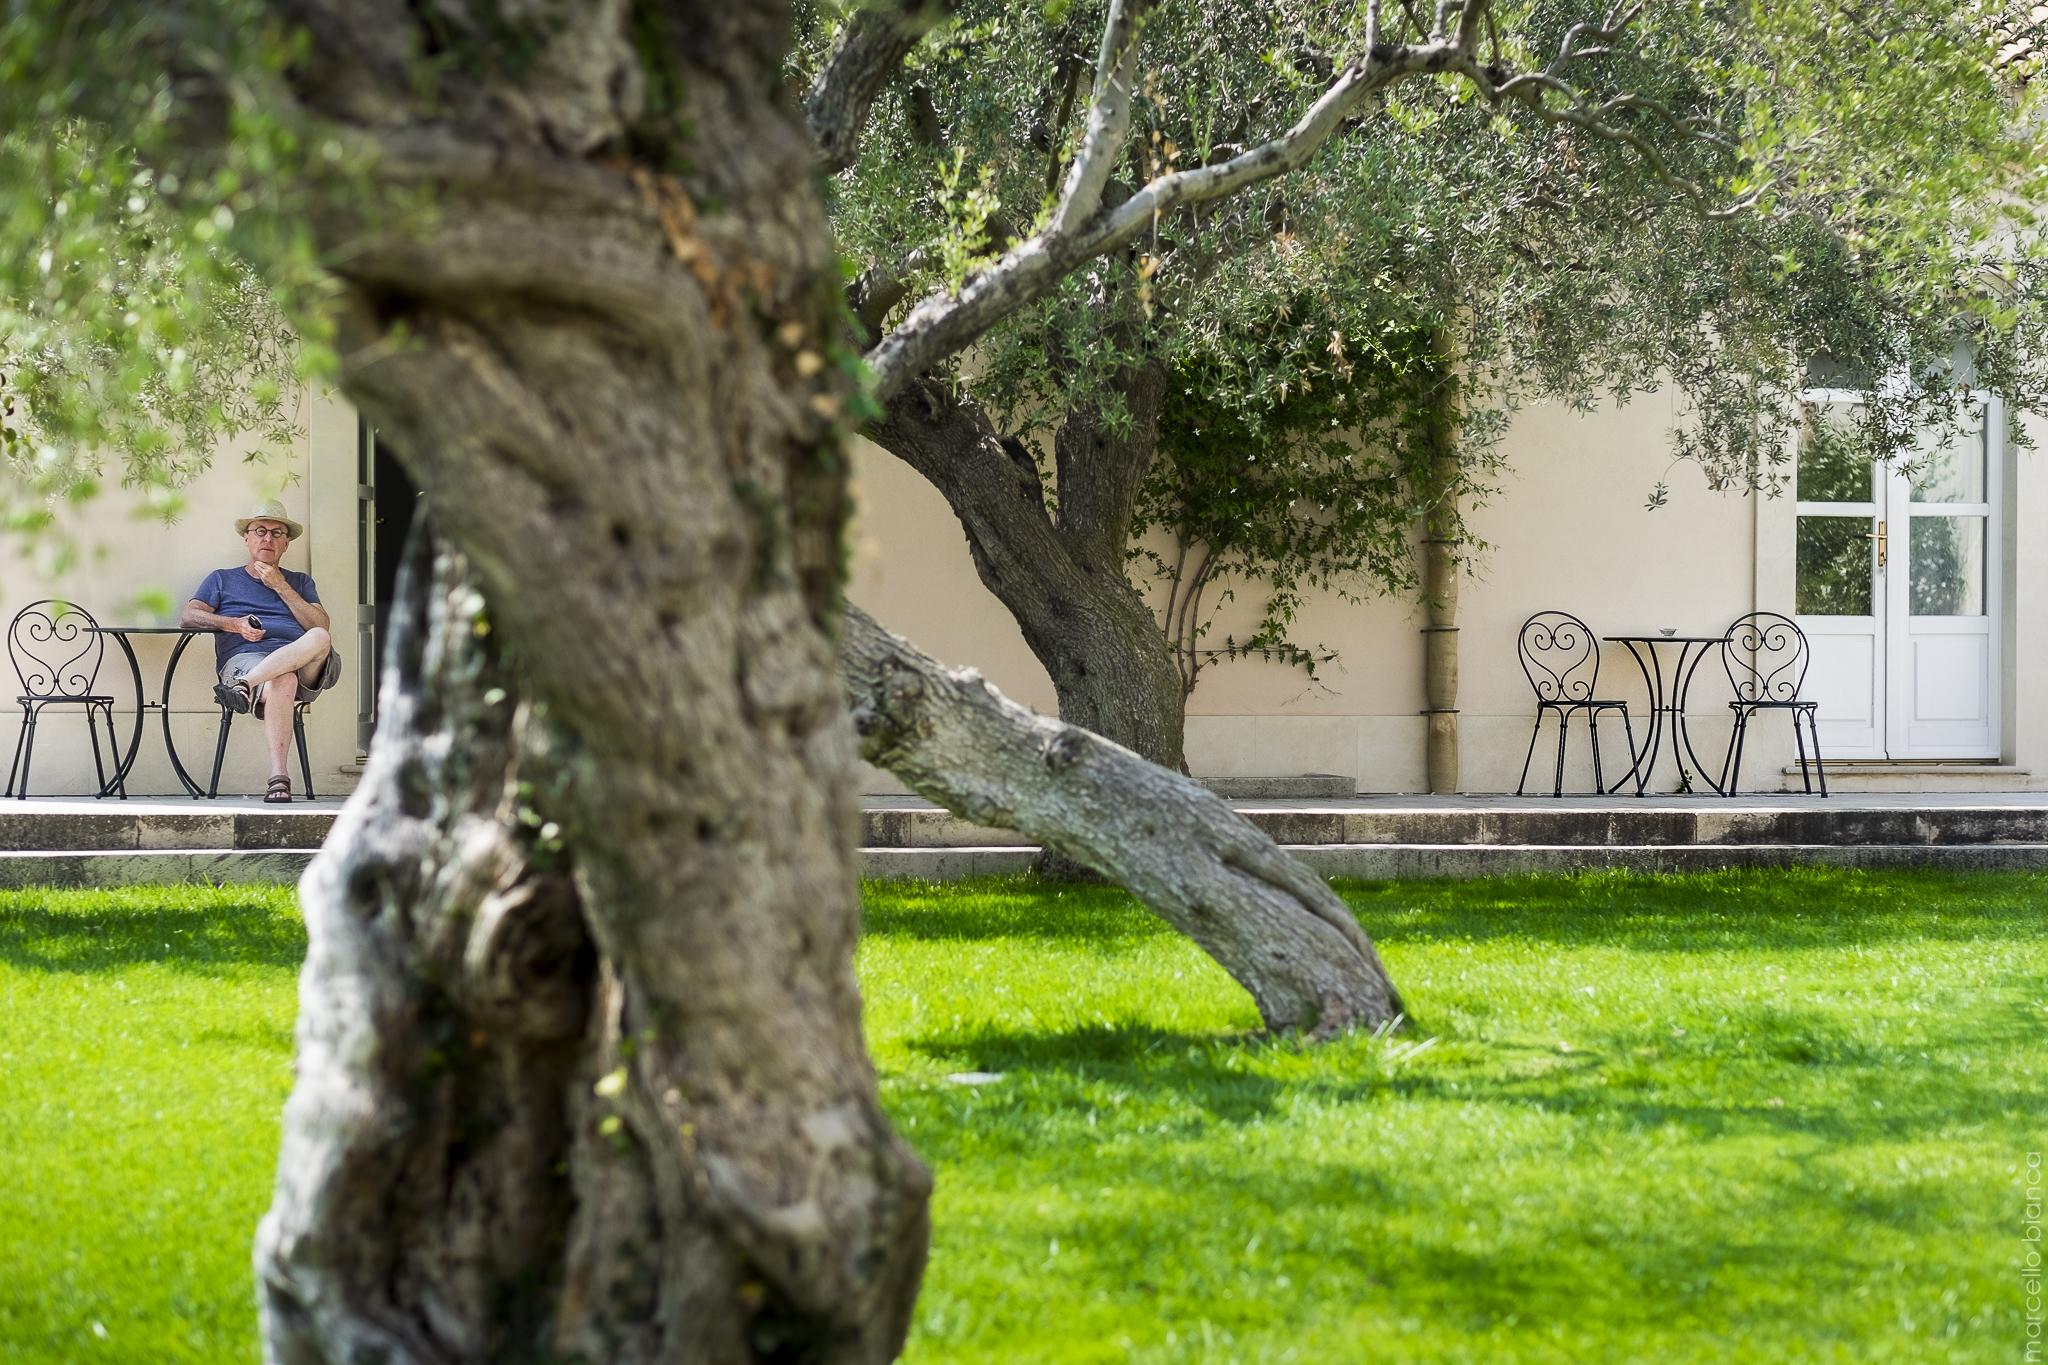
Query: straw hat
(269,510)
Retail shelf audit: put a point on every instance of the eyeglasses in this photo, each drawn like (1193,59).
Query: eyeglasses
(270,532)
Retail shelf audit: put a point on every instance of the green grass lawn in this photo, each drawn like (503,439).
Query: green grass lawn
(1772,1117)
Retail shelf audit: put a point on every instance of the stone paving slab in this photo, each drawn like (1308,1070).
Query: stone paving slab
(1588,824)
(1373,862)
(216,867)
(106,826)
(1403,862)
(81,842)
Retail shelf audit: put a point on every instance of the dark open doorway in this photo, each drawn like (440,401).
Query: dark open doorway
(386,501)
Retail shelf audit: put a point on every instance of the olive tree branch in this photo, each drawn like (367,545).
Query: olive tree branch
(947,321)
(1532,90)
(1109,116)
(870,52)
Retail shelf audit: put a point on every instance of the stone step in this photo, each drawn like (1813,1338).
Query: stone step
(138,867)
(1376,862)
(1609,826)
(110,826)
(1400,862)
(105,826)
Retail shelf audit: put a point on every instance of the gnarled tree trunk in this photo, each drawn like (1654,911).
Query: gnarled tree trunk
(607,380)
(476,1166)
(1273,925)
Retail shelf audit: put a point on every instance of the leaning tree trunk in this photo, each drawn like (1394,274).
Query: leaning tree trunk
(593,324)
(1060,571)
(1270,922)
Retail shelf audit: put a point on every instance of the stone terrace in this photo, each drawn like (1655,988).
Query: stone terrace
(81,842)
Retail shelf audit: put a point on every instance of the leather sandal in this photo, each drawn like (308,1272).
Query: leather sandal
(235,696)
(279,792)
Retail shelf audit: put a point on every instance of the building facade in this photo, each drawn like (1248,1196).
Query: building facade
(1925,596)
(1925,599)
(128,567)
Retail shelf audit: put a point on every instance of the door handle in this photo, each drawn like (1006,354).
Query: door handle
(1879,536)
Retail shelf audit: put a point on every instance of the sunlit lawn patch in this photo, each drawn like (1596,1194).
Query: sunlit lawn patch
(1733,1117)
(145,1053)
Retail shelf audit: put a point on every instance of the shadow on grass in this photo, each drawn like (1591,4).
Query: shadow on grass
(1491,1201)
(1563,1259)
(1844,1090)
(209,939)
(1206,1070)
(1779,909)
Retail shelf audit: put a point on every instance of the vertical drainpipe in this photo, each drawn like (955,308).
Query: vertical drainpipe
(1440,589)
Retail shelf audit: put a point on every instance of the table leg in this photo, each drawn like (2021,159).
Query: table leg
(1642,763)
(119,781)
(1682,680)
(170,746)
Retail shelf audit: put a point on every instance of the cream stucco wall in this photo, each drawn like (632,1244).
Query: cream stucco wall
(125,554)
(1569,529)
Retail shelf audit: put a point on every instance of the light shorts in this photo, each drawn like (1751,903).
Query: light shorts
(238,665)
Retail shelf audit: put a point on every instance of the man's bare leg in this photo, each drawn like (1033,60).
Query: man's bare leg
(277,680)
(302,654)
(279,696)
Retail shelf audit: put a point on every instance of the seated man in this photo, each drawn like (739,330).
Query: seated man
(273,640)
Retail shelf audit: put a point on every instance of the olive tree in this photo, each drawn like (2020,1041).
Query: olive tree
(1256,391)
(580,1067)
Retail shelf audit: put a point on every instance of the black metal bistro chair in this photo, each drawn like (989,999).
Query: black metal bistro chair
(220,746)
(1766,656)
(56,649)
(1561,659)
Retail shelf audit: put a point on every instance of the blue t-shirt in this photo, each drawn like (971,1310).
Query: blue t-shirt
(235,592)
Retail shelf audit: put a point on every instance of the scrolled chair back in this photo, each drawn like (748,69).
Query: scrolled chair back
(56,649)
(1765,656)
(1559,655)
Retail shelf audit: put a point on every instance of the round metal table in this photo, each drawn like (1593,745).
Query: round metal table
(1643,649)
(118,784)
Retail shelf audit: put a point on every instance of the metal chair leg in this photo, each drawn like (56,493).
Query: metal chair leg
(1564,721)
(20,738)
(1534,731)
(1799,743)
(93,733)
(1728,757)
(28,755)
(1593,730)
(114,753)
(1736,739)
(1635,768)
(1813,724)
(92,713)
(305,763)
(220,754)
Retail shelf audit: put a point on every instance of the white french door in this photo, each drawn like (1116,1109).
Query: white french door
(1897,587)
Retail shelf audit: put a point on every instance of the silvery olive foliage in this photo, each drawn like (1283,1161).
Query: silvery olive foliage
(1597,202)
(1608,202)
(144,321)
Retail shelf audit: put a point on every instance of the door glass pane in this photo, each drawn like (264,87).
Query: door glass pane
(1832,467)
(1834,570)
(1952,469)
(1948,566)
